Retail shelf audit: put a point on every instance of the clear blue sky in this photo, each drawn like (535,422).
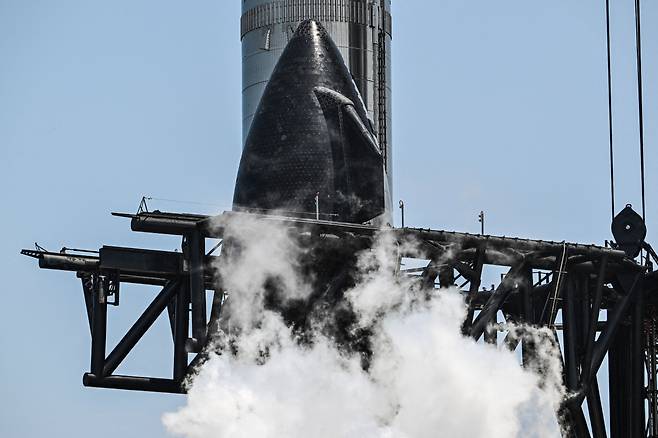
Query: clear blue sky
(499,106)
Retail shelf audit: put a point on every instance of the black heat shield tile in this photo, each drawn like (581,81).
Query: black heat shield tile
(311,136)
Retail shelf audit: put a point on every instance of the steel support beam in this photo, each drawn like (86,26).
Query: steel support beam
(570,334)
(141,262)
(528,316)
(638,396)
(586,374)
(88,295)
(181,332)
(618,338)
(141,326)
(615,316)
(196,248)
(131,383)
(595,409)
(464,241)
(488,313)
(473,289)
(652,371)
(619,359)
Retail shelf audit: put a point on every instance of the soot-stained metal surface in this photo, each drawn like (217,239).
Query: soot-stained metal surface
(311,150)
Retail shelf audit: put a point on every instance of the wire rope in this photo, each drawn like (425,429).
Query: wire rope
(610,116)
(638,46)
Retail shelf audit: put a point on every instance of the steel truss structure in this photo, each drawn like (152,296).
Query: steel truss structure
(599,302)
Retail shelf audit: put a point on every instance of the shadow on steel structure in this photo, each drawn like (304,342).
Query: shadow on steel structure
(544,279)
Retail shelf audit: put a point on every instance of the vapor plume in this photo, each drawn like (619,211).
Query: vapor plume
(422,379)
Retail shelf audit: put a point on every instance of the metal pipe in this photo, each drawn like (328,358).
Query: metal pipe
(99,333)
(141,326)
(67,262)
(149,281)
(166,223)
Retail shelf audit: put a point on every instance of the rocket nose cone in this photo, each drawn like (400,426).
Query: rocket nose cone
(310,28)
(312,41)
(310,59)
(294,151)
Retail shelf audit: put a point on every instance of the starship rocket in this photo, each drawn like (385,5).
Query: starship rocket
(311,150)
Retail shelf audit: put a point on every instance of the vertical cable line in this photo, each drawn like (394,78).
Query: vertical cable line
(610,120)
(638,40)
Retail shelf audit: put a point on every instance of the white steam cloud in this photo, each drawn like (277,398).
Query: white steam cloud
(425,379)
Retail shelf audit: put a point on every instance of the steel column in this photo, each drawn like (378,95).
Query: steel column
(652,372)
(570,334)
(529,317)
(181,333)
(196,247)
(476,280)
(619,360)
(637,369)
(99,332)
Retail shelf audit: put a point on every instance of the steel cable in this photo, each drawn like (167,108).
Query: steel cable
(610,119)
(638,44)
